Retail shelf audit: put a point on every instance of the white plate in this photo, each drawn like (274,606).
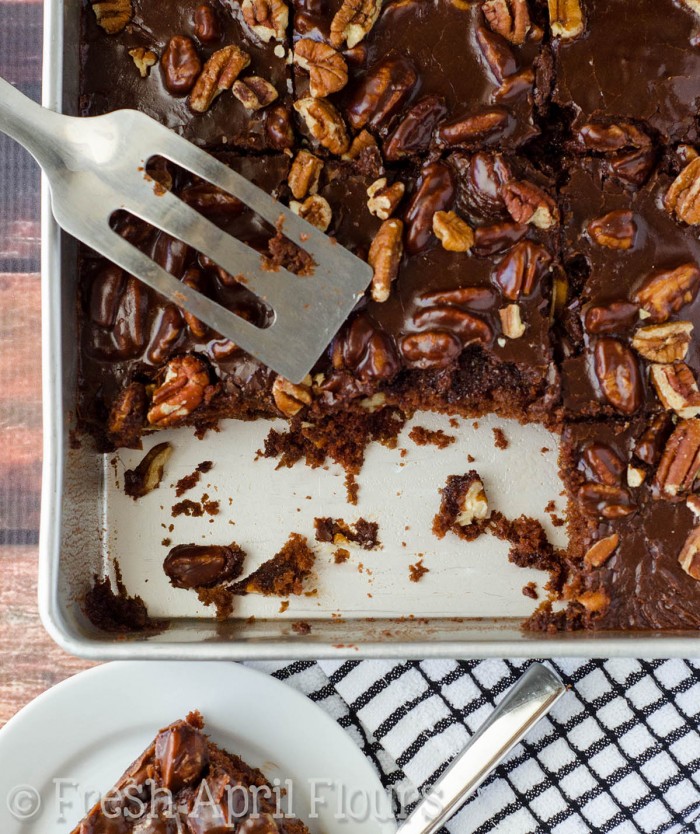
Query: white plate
(74,742)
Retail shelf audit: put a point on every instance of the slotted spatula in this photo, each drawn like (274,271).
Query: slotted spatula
(96,166)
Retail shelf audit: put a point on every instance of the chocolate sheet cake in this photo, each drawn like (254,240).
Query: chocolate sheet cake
(523,178)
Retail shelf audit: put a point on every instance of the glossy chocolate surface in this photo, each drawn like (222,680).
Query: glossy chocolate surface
(530,216)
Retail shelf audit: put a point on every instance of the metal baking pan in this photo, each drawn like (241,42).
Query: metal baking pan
(470,604)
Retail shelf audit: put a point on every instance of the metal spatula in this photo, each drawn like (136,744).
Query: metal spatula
(96,166)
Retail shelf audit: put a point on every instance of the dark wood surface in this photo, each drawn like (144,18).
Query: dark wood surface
(29,660)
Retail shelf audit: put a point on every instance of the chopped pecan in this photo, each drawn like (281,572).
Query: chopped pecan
(635,476)
(144,59)
(677,388)
(363,142)
(566,18)
(474,505)
(521,269)
(180,65)
(663,343)
(666,292)
(353,21)
(692,502)
(455,234)
(289,397)
(511,321)
(167,335)
(383,198)
(147,476)
(689,557)
(328,72)
(683,197)
(185,386)
(618,375)
(680,461)
(324,123)
(315,210)
(614,230)
(508,18)
(112,15)
(304,174)
(605,501)
(595,602)
(267,18)
(385,255)
(218,74)
(599,553)
(526,203)
(254,92)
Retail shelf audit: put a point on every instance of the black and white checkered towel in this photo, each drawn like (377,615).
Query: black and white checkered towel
(618,753)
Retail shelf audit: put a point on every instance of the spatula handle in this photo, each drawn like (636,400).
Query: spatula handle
(27,122)
(528,701)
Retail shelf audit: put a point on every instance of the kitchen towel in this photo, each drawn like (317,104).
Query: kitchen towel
(620,752)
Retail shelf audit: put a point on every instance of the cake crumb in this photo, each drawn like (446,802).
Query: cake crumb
(500,441)
(284,605)
(530,590)
(283,575)
(464,508)
(417,572)
(301,627)
(454,422)
(341,555)
(190,481)
(166,542)
(352,488)
(470,458)
(545,449)
(337,531)
(424,437)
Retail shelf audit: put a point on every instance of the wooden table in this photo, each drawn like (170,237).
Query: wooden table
(29,660)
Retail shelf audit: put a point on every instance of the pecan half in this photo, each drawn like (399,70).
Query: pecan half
(677,388)
(112,15)
(381,92)
(511,321)
(521,269)
(650,444)
(289,397)
(383,198)
(324,123)
(566,18)
(498,55)
(353,20)
(612,137)
(601,463)
(385,255)
(508,18)
(413,133)
(328,72)
(472,128)
(184,388)
(127,416)
(364,348)
(315,210)
(206,24)
(618,375)
(605,501)
(599,553)
(689,557)
(254,92)
(526,203)
(144,59)
(434,192)
(455,234)
(615,317)
(304,175)
(680,461)
(663,343)
(180,65)
(193,278)
(664,293)
(614,230)
(683,197)
(267,18)
(218,74)
(147,476)
(431,349)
